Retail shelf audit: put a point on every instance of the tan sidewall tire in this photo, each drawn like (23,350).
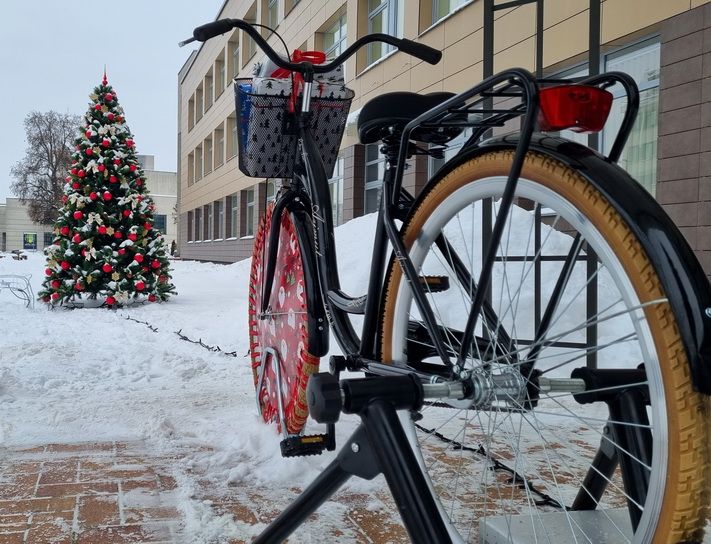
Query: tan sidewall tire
(684,506)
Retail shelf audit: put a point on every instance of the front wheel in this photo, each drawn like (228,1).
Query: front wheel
(278,337)
(573,294)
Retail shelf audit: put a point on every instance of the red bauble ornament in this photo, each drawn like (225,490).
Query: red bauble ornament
(78,286)
(110,301)
(93,195)
(65,198)
(113,179)
(120,119)
(56,284)
(83,253)
(64,231)
(108,97)
(147,226)
(97,107)
(105,142)
(138,258)
(118,235)
(139,182)
(126,213)
(45,299)
(117,161)
(76,239)
(55,296)
(110,116)
(81,173)
(88,134)
(132,236)
(107,195)
(89,151)
(151,298)
(140,286)
(162,278)
(76,186)
(155,263)
(101,168)
(107,268)
(102,229)
(48,272)
(144,268)
(132,168)
(129,142)
(78,215)
(68,179)
(139,198)
(65,265)
(73,171)
(122,251)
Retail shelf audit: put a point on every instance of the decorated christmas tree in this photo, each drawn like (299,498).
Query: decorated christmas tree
(105,244)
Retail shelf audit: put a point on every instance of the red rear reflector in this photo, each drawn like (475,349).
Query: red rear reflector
(580,108)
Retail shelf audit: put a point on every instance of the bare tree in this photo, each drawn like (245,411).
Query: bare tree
(39,176)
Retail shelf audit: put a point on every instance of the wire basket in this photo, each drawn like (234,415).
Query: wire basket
(267,134)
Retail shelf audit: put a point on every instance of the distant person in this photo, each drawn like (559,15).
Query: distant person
(173,248)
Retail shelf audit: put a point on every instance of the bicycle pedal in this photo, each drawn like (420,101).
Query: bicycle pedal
(299,446)
(435,284)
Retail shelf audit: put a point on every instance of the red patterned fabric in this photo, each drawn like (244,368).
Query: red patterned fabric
(284,329)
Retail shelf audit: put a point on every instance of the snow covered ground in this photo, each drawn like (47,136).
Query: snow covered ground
(92,375)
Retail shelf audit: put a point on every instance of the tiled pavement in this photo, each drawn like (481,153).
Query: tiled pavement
(106,493)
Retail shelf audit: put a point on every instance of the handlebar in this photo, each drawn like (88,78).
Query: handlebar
(210,30)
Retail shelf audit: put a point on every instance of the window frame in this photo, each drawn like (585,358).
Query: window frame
(374,184)
(391,6)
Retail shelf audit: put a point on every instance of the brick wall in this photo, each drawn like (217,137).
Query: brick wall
(684,145)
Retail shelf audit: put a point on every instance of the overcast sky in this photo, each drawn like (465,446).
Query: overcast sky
(52,55)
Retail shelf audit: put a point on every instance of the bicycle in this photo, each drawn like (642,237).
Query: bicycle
(536,340)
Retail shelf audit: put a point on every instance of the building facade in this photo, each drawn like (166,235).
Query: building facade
(664,44)
(18,231)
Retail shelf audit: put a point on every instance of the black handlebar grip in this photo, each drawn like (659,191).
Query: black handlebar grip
(421,51)
(210,30)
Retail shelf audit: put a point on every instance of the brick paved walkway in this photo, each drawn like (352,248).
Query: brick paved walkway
(106,493)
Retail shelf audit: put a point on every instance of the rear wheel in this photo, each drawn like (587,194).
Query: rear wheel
(278,340)
(571,288)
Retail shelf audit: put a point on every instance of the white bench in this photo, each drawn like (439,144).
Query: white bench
(19,286)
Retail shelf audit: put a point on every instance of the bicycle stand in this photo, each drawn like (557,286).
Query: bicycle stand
(378,445)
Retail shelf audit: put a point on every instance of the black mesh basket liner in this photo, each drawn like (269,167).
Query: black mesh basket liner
(268,141)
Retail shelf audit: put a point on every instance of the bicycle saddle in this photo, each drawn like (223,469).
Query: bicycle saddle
(396,110)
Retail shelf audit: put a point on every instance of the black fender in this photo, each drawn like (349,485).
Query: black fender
(682,277)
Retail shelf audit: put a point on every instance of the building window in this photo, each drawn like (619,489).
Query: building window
(191,168)
(198,163)
(233,52)
(234,204)
(191,113)
(190,226)
(209,90)
(220,74)
(207,224)
(232,142)
(383,16)
(219,211)
(639,156)
(160,222)
(272,13)
(219,147)
(453,147)
(208,155)
(249,212)
(442,8)
(374,174)
(335,185)
(198,224)
(48,238)
(199,103)
(334,38)
(271,190)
